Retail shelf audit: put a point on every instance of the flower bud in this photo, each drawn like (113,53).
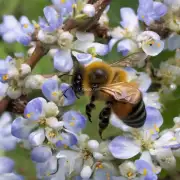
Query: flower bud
(34,81)
(89,10)
(65,40)
(93,145)
(25,69)
(97,155)
(14,93)
(46,37)
(51,109)
(13,73)
(86,172)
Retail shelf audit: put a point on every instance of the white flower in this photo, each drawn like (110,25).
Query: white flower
(46,37)
(14,93)
(25,70)
(150,42)
(34,81)
(128,169)
(89,10)
(65,39)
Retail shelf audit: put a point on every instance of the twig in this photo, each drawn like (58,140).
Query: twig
(40,50)
(89,22)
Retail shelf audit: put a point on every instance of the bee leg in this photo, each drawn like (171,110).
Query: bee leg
(104,118)
(90,107)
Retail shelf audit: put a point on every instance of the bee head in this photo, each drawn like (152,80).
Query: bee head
(98,76)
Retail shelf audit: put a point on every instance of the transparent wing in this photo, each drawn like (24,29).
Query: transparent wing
(123,91)
(130,61)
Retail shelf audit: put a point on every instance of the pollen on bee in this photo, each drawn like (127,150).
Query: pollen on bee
(5,77)
(144,171)
(25,25)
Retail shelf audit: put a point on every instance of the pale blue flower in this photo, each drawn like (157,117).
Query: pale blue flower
(120,145)
(149,11)
(41,123)
(9,28)
(64,6)
(53,19)
(145,169)
(41,154)
(7,170)
(63,61)
(7,141)
(74,121)
(52,90)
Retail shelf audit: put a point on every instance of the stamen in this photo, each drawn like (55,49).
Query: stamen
(72,124)
(144,171)
(156,128)
(54,93)
(5,77)
(158,45)
(142,16)
(129,174)
(62,1)
(28,115)
(25,25)
(99,165)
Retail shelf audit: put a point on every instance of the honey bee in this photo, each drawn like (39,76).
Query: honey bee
(105,82)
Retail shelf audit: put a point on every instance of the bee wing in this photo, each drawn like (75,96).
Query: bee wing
(123,92)
(130,60)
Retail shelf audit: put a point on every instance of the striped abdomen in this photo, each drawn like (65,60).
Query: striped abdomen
(132,115)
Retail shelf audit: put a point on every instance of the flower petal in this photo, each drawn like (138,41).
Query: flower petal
(50,89)
(63,61)
(41,154)
(69,95)
(37,137)
(142,165)
(154,119)
(129,19)
(119,147)
(84,36)
(83,58)
(125,46)
(74,121)
(144,81)
(68,139)
(101,49)
(153,49)
(21,128)
(166,159)
(116,122)
(6,165)
(47,168)
(52,17)
(11,176)
(112,42)
(34,109)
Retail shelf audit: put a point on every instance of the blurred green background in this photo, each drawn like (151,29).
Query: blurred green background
(32,9)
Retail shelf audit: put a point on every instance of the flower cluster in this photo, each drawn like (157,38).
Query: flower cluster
(51,129)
